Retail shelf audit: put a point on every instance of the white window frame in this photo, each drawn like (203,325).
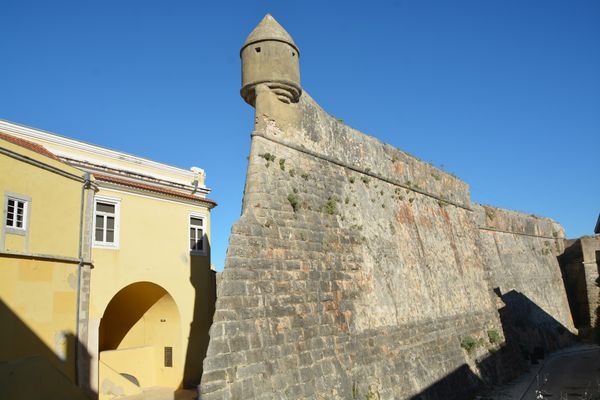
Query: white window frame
(117,203)
(26,204)
(193,252)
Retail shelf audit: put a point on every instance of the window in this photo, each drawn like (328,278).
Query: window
(106,222)
(197,235)
(16,213)
(168,356)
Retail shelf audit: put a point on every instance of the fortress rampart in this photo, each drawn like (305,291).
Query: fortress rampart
(357,270)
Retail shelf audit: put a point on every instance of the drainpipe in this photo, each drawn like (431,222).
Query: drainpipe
(83,261)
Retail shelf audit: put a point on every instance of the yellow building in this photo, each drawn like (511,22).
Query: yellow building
(44,261)
(151,288)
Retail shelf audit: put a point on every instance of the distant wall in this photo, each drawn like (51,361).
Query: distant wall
(580,264)
(521,251)
(354,269)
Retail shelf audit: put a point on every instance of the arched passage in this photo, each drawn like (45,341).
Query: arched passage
(140,338)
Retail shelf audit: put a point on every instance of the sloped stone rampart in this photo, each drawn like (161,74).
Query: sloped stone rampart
(521,251)
(354,269)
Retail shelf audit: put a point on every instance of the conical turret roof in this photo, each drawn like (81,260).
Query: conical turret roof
(269,29)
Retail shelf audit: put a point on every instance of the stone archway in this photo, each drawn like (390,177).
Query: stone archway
(139,341)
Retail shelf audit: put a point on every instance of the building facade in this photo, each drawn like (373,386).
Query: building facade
(149,295)
(44,263)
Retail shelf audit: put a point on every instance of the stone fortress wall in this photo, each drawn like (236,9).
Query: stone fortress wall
(521,251)
(357,270)
(580,265)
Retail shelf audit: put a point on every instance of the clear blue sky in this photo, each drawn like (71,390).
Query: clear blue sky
(504,94)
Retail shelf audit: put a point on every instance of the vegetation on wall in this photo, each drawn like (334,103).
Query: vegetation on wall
(493,336)
(468,343)
(268,158)
(294,201)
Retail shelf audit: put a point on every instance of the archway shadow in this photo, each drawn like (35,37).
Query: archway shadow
(29,369)
(136,299)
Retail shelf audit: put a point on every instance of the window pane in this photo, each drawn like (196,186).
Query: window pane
(196,221)
(199,244)
(99,237)
(110,222)
(11,203)
(104,207)
(110,236)
(193,244)
(99,222)
(196,245)
(19,224)
(11,209)
(9,221)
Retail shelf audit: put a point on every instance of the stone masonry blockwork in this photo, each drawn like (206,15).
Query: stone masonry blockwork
(342,278)
(359,271)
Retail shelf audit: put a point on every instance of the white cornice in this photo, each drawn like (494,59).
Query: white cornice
(113,187)
(120,173)
(37,134)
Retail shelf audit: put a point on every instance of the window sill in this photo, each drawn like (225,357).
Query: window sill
(105,246)
(15,231)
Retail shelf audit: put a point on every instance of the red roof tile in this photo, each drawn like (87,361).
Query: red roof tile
(152,188)
(38,148)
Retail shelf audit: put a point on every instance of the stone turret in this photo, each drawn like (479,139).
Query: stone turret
(270,56)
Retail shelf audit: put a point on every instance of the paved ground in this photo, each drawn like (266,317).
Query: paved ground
(160,393)
(571,374)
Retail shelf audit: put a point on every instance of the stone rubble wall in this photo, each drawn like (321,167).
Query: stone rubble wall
(355,271)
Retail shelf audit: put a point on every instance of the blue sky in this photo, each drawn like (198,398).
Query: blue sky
(504,94)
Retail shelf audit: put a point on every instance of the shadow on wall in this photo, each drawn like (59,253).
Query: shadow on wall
(529,327)
(573,274)
(29,369)
(529,333)
(203,278)
(596,328)
(124,310)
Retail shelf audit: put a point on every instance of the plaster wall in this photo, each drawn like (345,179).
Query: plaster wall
(39,303)
(39,270)
(154,247)
(16,381)
(137,360)
(54,206)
